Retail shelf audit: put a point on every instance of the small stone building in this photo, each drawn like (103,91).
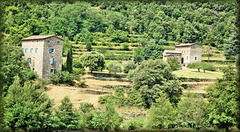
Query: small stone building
(186,53)
(44,54)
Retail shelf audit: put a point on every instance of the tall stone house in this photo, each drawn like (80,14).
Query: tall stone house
(186,53)
(44,54)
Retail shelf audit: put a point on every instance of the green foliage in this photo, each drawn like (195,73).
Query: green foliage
(152,51)
(135,123)
(29,109)
(129,66)
(202,65)
(93,60)
(125,46)
(78,71)
(230,44)
(135,98)
(62,77)
(114,67)
(222,107)
(69,59)
(161,113)
(66,117)
(31,76)
(105,98)
(191,111)
(77,63)
(111,119)
(89,46)
(152,77)
(86,107)
(173,63)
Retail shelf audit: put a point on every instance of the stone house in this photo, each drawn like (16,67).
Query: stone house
(186,53)
(44,54)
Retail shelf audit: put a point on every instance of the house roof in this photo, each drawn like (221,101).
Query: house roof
(172,51)
(40,37)
(186,45)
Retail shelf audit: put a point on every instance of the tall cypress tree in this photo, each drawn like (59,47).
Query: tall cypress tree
(69,59)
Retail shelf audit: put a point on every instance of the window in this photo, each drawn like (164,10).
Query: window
(51,50)
(36,49)
(58,42)
(52,61)
(195,58)
(48,41)
(187,58)
(53,71)
(31,50)
(29,60)
(26,50)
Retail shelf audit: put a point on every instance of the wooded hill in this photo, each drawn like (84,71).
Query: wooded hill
(208,23)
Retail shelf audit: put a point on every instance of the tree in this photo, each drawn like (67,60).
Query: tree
(161,113)
(66,116)
(153,50)
(29,109)
(230,45)
(111,119)
(223,104)
(69,59)
(153,76)
(191,110)
(114,67)
(129,66)
(93,60)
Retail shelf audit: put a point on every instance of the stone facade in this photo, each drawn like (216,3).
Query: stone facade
(186,53)
(44,53)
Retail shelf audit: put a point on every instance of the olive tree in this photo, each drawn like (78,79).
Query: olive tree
(93,60)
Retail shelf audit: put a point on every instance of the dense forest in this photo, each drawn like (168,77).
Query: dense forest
(153,85)
(206,23)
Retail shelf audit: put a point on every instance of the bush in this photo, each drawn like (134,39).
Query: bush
(223,69)
(86,107)
(125,46)
(63,77)
(173,63)
(31,75)
(208,67)
(135,123)
(129,66)
(103,99)
(78,71)
(89,46)
(114,67)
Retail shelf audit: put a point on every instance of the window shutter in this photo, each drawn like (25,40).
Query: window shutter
(50,50)
(55,70)
(52,60)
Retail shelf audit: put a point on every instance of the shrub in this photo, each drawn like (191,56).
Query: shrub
(208,66)
(223,69)
(162,42)
(125,46)
(89,46)
(135,123)
(78,71)
(129,66)
(86,107)
(173,63)
(31,75)
(103,99)
(114,67)
(63,77)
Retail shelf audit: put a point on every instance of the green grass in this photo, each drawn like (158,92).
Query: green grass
(195,74)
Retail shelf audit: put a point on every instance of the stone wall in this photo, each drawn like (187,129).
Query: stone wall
(185,50)
(36,57)
(55,44)
(196,51)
